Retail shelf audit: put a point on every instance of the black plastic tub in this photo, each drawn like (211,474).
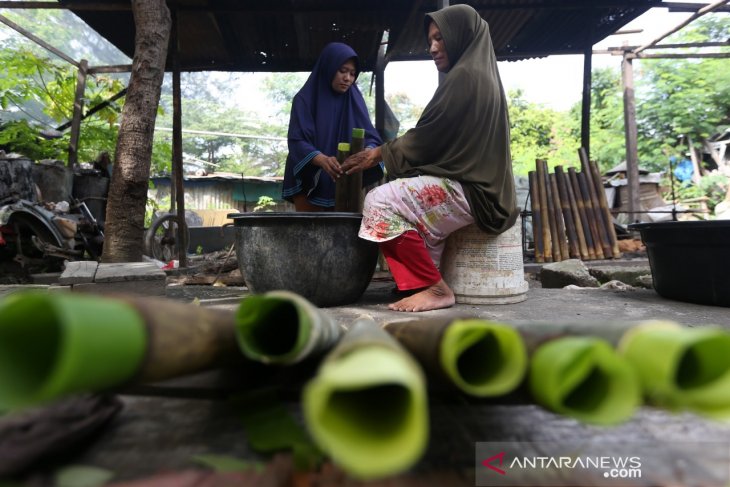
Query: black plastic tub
(316,255)
(690,260)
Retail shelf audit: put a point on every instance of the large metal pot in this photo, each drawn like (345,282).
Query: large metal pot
(316,255)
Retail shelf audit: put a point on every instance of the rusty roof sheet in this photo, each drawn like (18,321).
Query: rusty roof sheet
(287,35)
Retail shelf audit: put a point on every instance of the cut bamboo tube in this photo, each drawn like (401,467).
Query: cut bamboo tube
(479,357)
(544,214)
(576,241)
(603,202)
(582,213)
(550,207)
(367,406)
(601,223)
(281,327)
(591,214)
(560,222)
(536,218)
(53,345)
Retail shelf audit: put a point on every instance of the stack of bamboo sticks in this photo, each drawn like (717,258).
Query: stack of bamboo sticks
(570,214)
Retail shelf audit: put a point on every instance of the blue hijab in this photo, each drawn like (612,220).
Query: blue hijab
(320,119)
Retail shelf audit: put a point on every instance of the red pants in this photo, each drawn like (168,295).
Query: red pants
(409,261)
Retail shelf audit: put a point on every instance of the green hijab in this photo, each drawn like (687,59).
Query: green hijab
(463,133)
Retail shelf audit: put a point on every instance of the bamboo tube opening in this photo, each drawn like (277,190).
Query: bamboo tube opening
(590,393)
(28,350)
(483,358)
(372,413)
(270,327)
(705,363)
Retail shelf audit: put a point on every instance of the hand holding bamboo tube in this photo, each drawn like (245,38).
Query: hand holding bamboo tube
(480,357)
(53,345)
(367,406)
(281,327)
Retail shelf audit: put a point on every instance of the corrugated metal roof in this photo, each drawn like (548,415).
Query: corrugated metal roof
(288,35)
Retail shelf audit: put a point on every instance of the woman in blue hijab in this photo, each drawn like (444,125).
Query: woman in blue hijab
(323,113)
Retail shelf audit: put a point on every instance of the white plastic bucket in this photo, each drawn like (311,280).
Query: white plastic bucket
(485,269)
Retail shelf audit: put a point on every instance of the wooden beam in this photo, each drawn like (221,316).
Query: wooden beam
(38,40)
(704,10)
(73,144)
(120,68)
(177,150)
(697,55)
(689,7)
(630,130)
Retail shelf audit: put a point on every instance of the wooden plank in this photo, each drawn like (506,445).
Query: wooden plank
(129,271)
(73,145)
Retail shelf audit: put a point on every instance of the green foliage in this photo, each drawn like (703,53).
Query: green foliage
(537,132)
(19,136)
(713,186)
(264,203)
(608,146)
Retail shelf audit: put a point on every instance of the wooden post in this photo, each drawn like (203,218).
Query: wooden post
(177,159)
(585,120)
(380,92)
(73,145)
(632,152)
(537,222)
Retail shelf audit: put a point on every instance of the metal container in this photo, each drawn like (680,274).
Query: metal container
(689,260)
(316,255)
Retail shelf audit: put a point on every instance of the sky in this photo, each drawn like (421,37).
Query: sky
(555,81)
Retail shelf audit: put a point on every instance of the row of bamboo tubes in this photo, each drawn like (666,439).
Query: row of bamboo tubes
(570,214)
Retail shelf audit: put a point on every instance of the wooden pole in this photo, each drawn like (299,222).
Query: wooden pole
(583,212)
(544,213)
(537,222)
(177,157)
(559,178)
(559,221)
(630,130)
(73,144)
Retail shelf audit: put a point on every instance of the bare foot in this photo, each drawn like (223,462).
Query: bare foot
(434,297)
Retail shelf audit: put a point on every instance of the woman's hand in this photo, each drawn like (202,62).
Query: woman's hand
(362,160)
(329,164)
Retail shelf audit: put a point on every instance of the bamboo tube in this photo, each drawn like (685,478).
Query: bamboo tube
(582,213)
(577,248)
(608,217)
(53,345)
(348,188)
(479,357)
(537,222)
(367,406)
(560,223)
(681,367)
(592,222)
(548,225)
(281,327)
(601,223)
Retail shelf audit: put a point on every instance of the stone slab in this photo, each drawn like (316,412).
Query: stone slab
(129,271)
(79,272)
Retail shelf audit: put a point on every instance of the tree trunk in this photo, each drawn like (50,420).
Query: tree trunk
(128,190)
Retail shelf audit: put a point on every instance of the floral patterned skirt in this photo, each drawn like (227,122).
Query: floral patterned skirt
(434,207)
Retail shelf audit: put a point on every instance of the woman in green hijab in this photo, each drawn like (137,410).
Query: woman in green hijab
(452,169)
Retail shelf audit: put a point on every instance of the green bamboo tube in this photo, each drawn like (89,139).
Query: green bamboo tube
(281,327)
(681,367)
(479,357)
(57,344)
(585,378)
(367,406)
